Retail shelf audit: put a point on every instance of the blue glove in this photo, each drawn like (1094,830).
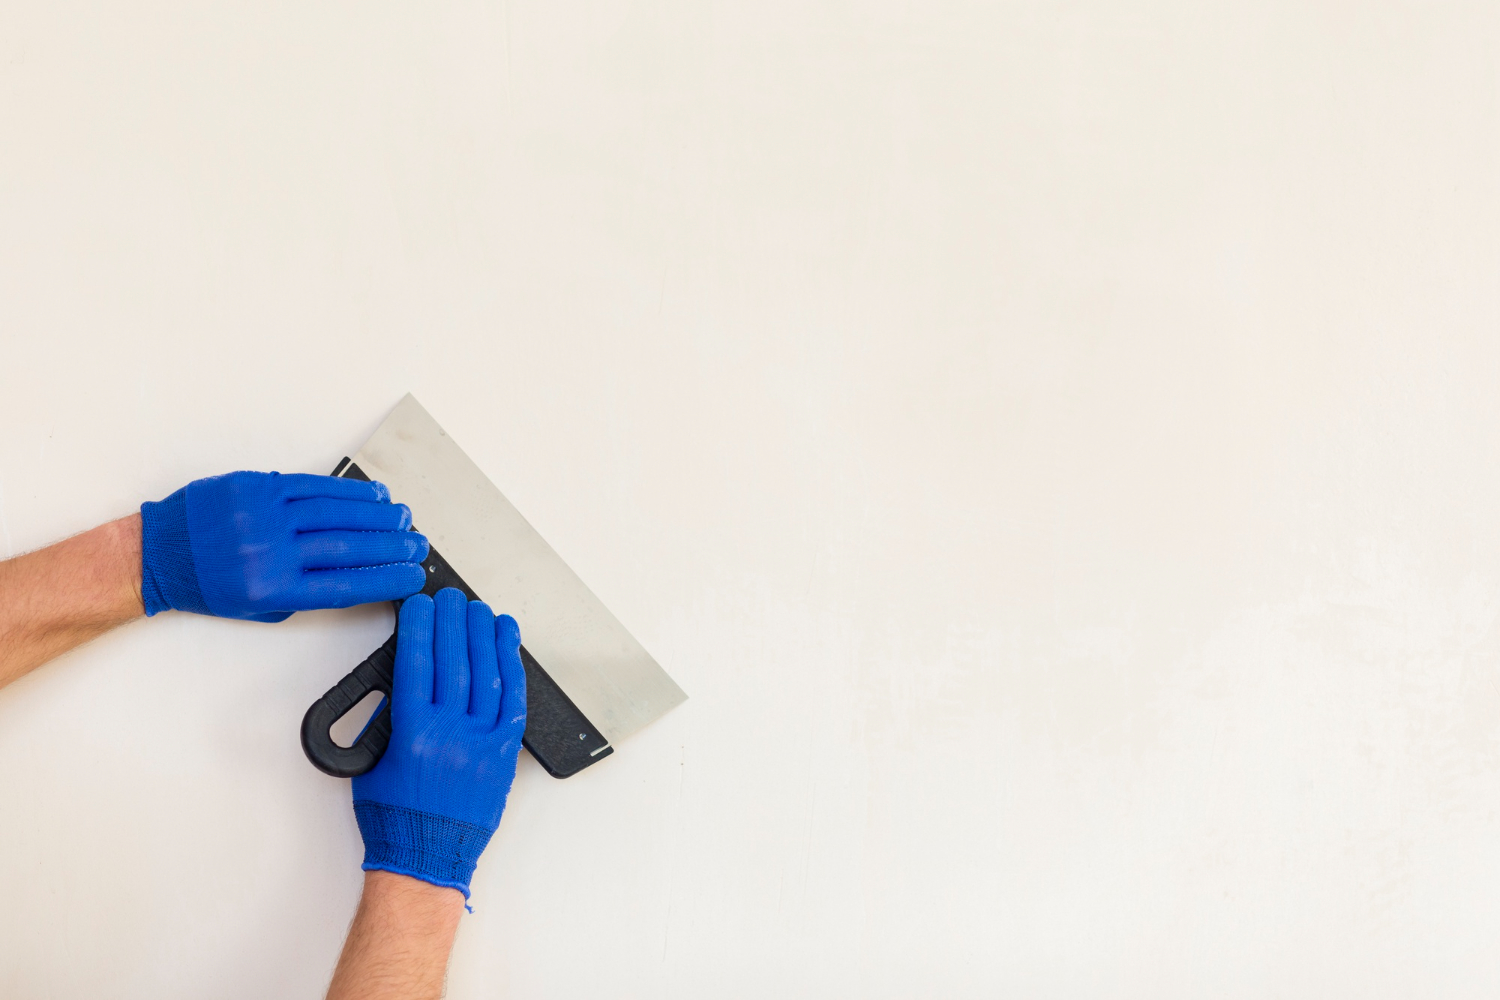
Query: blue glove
(458,708)
(260,545)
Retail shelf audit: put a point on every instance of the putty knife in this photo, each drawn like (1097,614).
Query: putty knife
(589,684)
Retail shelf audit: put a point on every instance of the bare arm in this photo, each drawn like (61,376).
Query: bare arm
(64,595)
(398,946)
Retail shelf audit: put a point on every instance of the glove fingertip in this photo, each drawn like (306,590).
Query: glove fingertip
(420,546)
(412,577)
(451,602)
(416,616)
(393,582)
(507,632)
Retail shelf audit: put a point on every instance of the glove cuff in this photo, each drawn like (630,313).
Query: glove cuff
(168,577)
(423,845)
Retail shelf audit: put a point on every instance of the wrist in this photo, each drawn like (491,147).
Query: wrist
(66,594)
(399,944)
(422,901)
(124,542)
(109,584)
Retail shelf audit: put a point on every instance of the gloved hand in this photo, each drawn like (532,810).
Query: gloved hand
(458,708)
(261,545)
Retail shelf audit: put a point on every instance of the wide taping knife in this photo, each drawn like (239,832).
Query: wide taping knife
(589,683)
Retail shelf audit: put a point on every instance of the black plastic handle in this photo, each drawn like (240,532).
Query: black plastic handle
(375,673)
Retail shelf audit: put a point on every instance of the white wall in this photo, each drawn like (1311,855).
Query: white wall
(1054,444)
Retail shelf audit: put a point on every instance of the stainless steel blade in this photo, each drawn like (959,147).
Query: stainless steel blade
(591,656)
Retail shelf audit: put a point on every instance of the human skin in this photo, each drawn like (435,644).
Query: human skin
(399,943)
(58,598)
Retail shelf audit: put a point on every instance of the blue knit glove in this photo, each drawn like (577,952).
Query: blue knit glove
(458,708)
(260,545)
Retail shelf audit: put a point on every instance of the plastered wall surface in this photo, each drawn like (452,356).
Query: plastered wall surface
(1054,446)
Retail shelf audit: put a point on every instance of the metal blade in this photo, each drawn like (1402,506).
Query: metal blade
(591,656)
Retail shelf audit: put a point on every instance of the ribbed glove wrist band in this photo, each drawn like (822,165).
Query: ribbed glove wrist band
(168,578)
(433,848)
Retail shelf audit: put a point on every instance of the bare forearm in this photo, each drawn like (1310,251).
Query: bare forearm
(399,943)
(64,595)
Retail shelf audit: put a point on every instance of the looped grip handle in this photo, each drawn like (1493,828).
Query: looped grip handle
(375,673)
